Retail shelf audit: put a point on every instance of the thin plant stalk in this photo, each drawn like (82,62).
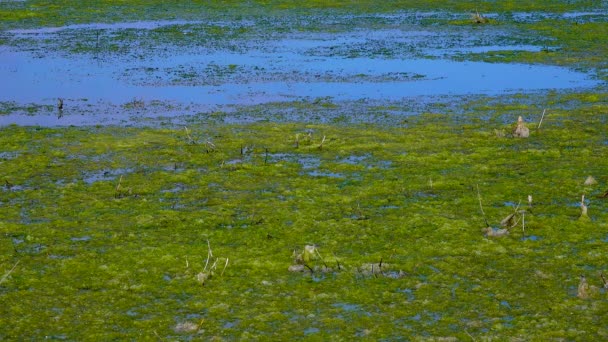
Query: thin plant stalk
(225,265)
(541,118)
(209,255)
(9,272)
(481,207)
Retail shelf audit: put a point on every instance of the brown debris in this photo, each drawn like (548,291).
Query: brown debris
(590,181)
(521,131)
(492,232)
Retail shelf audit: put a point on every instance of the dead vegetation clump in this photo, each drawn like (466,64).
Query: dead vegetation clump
(590,181)
(478,18)
(304,261)
(380,269)
(510,221)
(521,131)
(310,261)
(122,192)
(209,270)
(586,291)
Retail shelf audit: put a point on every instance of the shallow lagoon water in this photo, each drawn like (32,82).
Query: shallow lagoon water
(342,67)
(43,80)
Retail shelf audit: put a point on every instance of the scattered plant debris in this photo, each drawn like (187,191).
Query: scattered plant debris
(119,192)
(209,270)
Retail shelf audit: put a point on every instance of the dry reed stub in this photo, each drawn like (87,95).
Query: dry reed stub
(583,288)
(521,131)
(586,291)
(583,207)
(590,181)
(478,18)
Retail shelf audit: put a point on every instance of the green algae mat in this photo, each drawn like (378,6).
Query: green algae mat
(256,231)
(304,218)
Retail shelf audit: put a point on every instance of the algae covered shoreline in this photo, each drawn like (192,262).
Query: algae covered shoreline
(314,218)
(110,227)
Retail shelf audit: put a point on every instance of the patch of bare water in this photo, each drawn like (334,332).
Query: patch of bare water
(484,49)
(43,80)
(138,25)
(387,64)
(591,16)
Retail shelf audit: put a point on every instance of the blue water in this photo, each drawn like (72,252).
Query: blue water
(352,65)
(42,80)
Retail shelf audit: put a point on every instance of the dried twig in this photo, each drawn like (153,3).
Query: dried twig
(117,191)
(225,265)
(200,324)
(321,145)
(471,336)
(481,207)
(508,221)
(210,146)
(312,272)
(214,266)
(5,276)
(209,255)
(190,140)
(337,261)
(541,118)
(205,274)
(320,257)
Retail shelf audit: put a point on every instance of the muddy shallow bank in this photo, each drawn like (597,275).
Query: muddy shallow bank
(113,226)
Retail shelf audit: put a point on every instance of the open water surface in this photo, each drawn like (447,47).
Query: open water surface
(381,65)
